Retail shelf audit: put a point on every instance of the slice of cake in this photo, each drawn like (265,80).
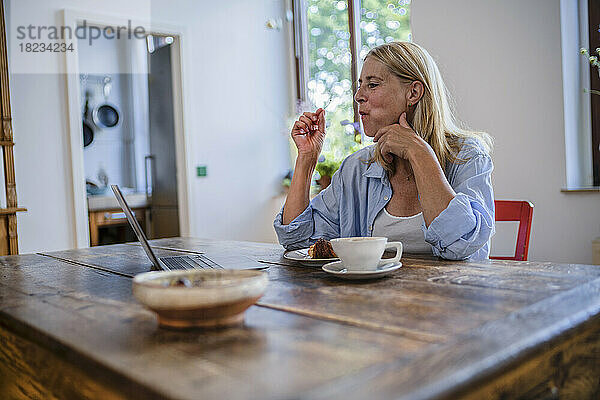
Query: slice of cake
(321,249)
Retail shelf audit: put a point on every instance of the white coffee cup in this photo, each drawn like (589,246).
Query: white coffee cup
(364,253)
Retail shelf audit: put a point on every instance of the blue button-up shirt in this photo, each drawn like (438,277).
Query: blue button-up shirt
(359,191)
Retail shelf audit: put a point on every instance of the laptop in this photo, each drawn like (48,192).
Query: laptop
(196,261)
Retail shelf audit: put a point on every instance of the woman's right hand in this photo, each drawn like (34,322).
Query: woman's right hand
(308,134)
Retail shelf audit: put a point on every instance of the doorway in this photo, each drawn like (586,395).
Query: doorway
(130,96)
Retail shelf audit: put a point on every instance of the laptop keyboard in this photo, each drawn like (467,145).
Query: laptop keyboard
(190,262)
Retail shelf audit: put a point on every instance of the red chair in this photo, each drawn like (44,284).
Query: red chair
(522,211)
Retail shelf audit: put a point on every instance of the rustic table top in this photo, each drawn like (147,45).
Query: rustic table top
(434,328)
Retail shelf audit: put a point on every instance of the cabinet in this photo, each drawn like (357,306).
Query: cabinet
(113,218)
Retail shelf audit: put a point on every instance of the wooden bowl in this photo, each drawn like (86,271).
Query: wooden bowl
(199,298)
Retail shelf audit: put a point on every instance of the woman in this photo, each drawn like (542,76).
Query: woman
(426,181)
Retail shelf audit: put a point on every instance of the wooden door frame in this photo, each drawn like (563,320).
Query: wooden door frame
(72,18)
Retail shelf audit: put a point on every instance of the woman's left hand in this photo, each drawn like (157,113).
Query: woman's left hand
(396,140)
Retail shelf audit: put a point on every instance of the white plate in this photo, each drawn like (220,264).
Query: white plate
(338,269)
(303,257)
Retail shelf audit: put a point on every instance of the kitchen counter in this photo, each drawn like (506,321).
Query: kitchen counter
(108,202)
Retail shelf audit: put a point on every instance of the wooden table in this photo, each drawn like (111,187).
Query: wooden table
(69,328)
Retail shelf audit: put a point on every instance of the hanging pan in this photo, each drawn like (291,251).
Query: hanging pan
(88,128)
(106,115)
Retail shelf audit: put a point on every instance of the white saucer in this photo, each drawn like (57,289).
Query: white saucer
(337,268)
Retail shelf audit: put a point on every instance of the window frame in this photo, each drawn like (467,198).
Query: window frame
(594,42)
(300,33)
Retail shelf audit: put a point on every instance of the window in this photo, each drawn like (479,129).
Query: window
(594,42)
(331,38)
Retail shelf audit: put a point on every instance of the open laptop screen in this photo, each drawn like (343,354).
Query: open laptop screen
(135,226)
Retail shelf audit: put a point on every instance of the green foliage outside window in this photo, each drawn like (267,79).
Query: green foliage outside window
(327,167)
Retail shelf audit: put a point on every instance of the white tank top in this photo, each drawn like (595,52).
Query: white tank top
(402,229)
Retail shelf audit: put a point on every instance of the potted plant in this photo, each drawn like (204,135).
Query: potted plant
(326,170)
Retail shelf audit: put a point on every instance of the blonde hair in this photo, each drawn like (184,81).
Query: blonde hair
(433,119)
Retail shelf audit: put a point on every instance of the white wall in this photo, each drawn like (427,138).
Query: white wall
(502,62)
(236,89)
